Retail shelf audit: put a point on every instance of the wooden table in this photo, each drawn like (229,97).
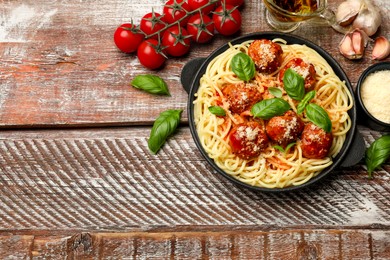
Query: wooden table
(77,179)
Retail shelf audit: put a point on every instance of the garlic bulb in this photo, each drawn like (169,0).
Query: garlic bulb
(347,11)
(368,19)
(381,48)
(363,14)
(353,44)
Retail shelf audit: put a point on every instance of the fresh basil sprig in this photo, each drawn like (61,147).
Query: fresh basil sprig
(276,92)
(217,110)
(284,150)
(308,97)
(377,153)
(269,108)
(243,66)
(151,84)
(319,117)
(294,84)
(163,127)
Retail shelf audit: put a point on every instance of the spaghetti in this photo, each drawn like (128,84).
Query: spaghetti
(272,168)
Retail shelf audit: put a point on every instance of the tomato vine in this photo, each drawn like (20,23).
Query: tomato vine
(172,32)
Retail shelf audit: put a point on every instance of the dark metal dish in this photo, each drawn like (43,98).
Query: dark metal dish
(353,148)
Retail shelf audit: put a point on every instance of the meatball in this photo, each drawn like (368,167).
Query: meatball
(315,142)
(306,70)
(247,140)
(285,129)
(266,55)
(241,97)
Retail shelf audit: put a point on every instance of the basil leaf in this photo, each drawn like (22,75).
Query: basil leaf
(243,66)
(163,127)
(281,149)
(319,117)
(289,146)
(151,84)
(276,92)
(377,153)
(308,97)
(216,110)
(294,84)
(269,108)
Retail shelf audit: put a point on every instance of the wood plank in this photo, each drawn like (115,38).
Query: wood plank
(258,244)
(359,250)
(107,179)
(380,245)
(16,246)
(59,65)
(322,245)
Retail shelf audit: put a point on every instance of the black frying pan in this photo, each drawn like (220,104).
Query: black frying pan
(354,147)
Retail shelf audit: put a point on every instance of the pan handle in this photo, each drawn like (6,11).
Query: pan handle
(189,71)
(356,150)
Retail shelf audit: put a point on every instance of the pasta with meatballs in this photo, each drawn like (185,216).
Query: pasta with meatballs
(287,148)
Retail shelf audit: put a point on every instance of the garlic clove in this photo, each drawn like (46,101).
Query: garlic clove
(347,12)
(365,37)
(353,44)
(346,47)
(358,42)
(381,48)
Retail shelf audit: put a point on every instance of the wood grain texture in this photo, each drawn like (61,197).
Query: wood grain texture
(60,67)
(279,244)
(97,193)
(107,179)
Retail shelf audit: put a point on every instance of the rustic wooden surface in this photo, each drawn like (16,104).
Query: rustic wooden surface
(77,180)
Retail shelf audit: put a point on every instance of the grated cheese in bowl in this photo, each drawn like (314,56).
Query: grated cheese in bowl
(375,95)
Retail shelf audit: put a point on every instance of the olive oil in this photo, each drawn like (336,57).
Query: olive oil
(297,6)
(293,11)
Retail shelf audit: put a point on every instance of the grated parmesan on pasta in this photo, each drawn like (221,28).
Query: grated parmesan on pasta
(272,168)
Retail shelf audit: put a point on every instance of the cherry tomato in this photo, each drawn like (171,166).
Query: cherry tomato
(232,2)
(128,37)
(174,10)
(150,54)
(176,40)
(151,23)
(195,4)
(227,19)
(201,28)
